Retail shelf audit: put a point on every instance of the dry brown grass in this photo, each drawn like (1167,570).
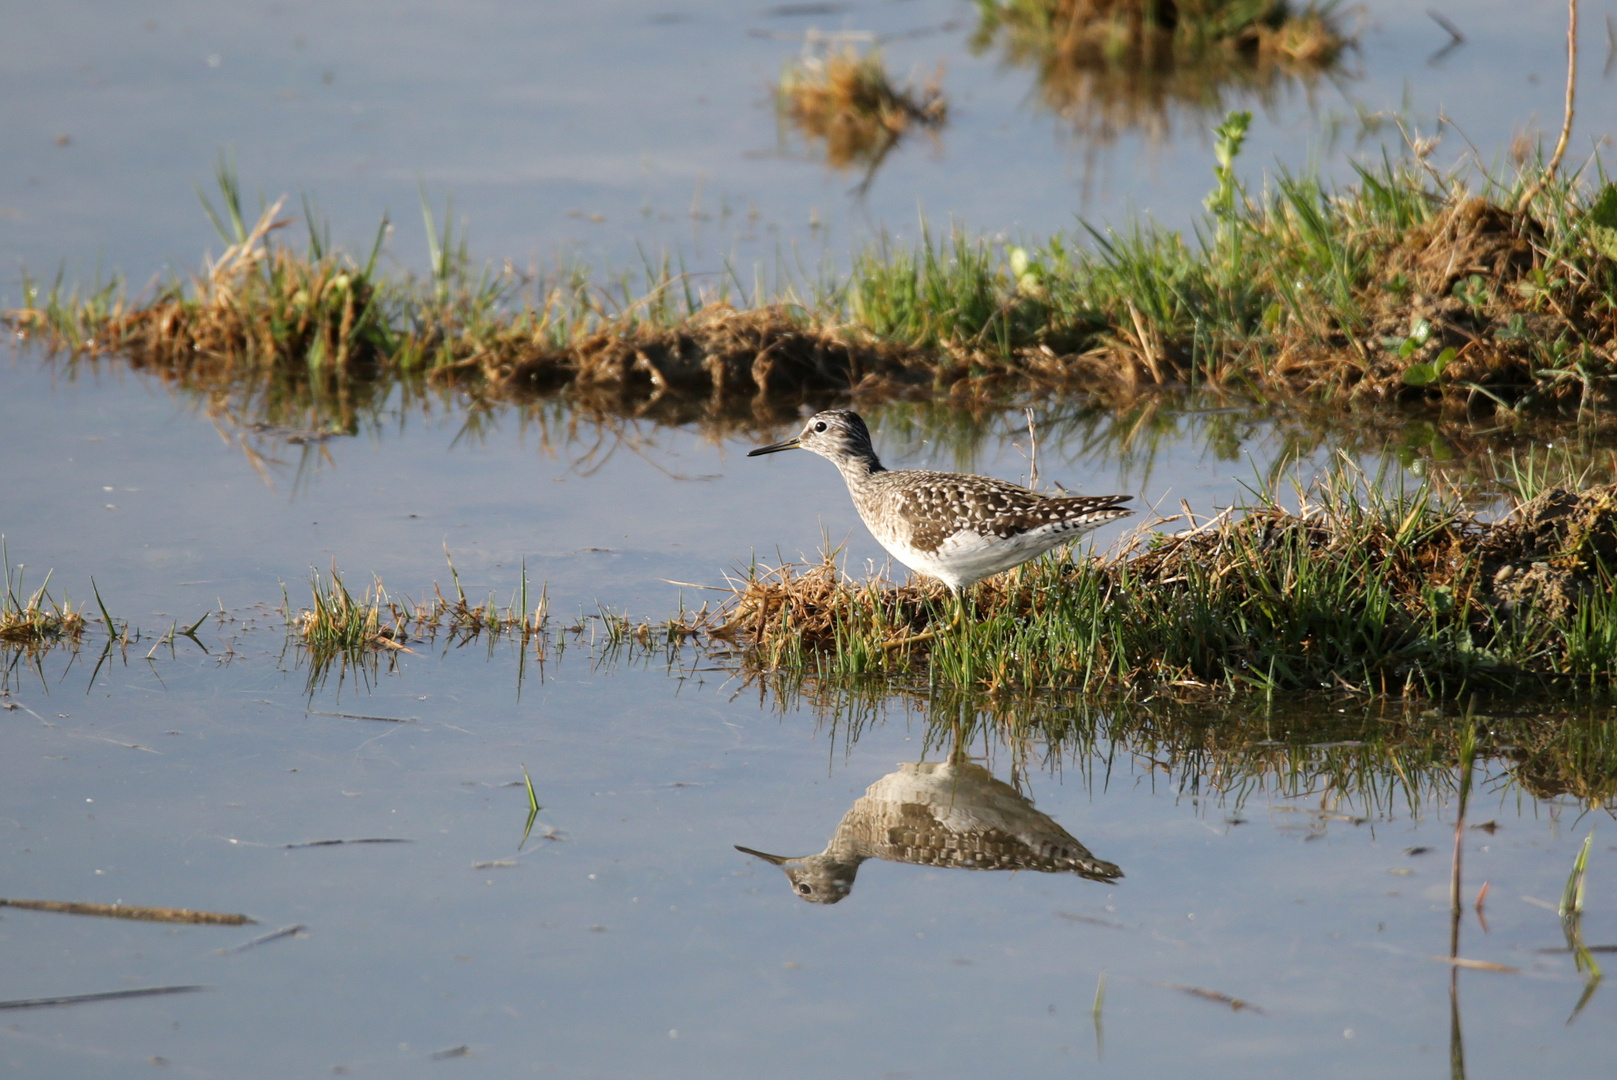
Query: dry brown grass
(1479,285)
(342,622)
(1424,274)
(845,100)
(33,624)
(717,354)
(259,305)
(35,620)
(1470,312)
(1491,287)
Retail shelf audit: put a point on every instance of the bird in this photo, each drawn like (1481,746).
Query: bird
(955,527)
(946,814)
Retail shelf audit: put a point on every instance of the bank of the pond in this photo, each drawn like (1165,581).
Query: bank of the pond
(1407,290)
(1357,591)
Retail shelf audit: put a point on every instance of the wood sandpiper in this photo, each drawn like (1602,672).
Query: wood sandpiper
(954,527)
(951,814)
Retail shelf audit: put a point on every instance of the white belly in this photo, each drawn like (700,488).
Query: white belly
(967,557)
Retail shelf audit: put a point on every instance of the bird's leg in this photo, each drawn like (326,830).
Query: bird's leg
(957,750)
(957,623)
(914,639)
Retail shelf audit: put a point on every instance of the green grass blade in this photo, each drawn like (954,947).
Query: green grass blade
(1572,894)
(106,616)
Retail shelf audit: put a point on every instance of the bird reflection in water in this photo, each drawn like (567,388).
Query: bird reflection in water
(946,814)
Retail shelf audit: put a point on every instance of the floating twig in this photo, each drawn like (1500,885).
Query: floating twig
(126,911)
(1073,916)
(1235,1003)
(1475,965)
(105,995)
(364,716)
(284,932)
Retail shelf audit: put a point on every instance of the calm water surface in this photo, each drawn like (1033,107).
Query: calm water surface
(605,130)
(628,937)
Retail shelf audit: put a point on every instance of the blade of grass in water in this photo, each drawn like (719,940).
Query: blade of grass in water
(533,807)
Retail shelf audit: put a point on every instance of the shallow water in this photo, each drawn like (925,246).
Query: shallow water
(114,478)
(630,937)
(608,130)
(627,936)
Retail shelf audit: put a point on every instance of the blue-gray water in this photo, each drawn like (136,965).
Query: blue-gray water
(631,938)
(637,941)
(605,130)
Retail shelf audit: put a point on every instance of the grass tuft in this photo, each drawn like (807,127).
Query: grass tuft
(35,619)
(352,630)
(1358,590)
(340,622)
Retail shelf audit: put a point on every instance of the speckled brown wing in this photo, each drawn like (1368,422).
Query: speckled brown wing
(987,850)
(911,833)
(1077,509)
(939,508)
(938,505)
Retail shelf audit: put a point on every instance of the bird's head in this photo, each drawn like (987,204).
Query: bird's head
(819,879)
(836,434)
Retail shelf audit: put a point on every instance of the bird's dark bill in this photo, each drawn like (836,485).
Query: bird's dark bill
(776,859)
(790,444)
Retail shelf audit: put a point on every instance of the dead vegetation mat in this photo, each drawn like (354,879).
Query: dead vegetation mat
(1482,281)
(719,354)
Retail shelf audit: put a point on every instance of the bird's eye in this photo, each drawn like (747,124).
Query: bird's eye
(805,888)
(820,426)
